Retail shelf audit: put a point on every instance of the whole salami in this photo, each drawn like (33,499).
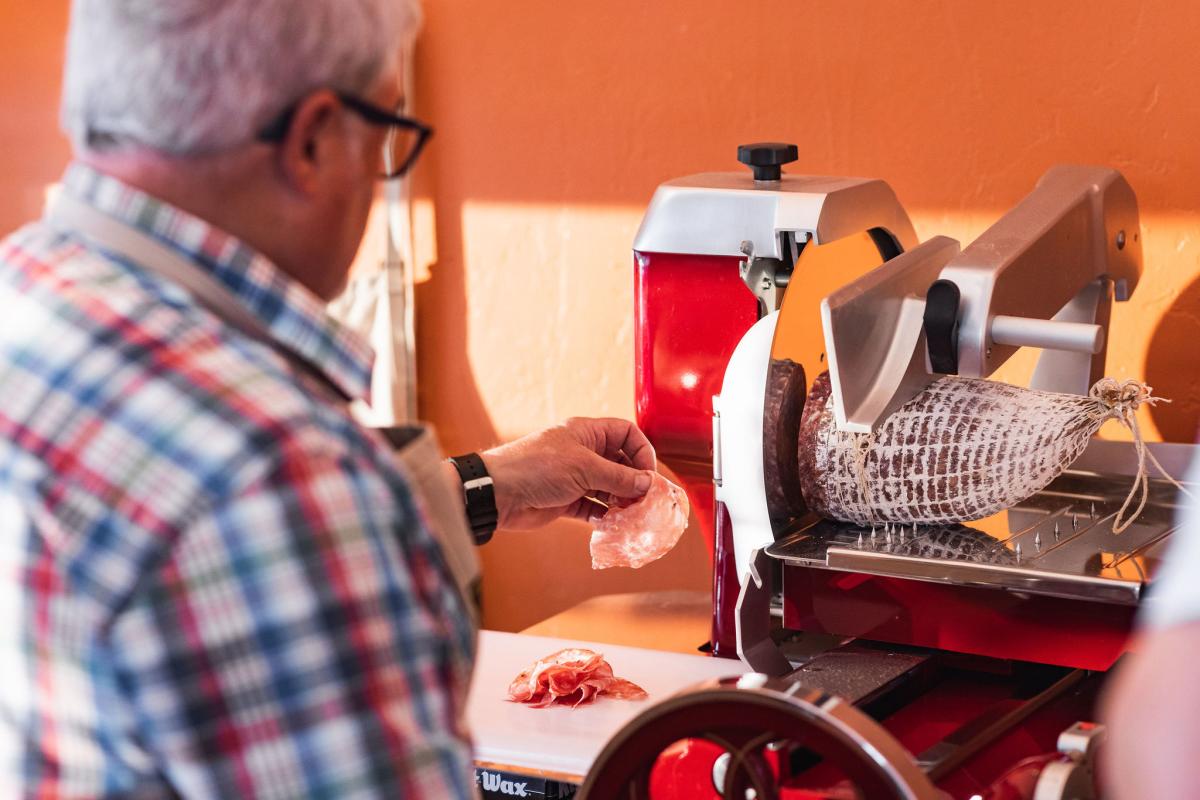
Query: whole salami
(961,450)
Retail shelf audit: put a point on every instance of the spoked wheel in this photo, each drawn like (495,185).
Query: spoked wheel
(747,718)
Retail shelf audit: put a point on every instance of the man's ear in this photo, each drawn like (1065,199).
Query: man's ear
(305,146)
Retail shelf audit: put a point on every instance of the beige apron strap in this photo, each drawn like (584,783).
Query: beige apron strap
(415,446)
(67,214)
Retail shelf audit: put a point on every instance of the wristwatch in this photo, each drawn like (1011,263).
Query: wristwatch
(479,494)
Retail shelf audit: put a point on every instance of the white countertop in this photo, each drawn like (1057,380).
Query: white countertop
(562,742)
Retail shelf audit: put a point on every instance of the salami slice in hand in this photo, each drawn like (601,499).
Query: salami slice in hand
(642,532)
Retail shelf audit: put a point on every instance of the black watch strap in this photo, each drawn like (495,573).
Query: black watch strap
(479,495)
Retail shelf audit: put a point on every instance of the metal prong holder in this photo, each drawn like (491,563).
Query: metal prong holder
(1002,585)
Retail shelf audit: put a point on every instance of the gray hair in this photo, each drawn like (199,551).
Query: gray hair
(202,76)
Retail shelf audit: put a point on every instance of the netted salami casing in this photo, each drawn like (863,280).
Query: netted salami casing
(960,450)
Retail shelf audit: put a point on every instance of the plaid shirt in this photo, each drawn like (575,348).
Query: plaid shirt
(213,583)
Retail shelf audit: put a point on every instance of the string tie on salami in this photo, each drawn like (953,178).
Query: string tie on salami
(1120,400)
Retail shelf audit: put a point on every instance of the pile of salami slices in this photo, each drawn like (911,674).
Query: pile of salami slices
(571,677)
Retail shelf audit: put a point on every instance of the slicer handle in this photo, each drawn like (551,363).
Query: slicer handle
(941,326)
(767,158)
(1076,337)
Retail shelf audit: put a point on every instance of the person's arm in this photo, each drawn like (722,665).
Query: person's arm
(302,639)
(1152,705)
(553,473)
(1152,710)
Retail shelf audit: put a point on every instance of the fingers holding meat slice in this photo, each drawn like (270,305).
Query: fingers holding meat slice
(643,532)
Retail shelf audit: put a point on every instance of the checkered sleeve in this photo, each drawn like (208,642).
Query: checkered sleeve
(302,640)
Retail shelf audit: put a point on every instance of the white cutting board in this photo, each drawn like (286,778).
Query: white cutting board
(560,741)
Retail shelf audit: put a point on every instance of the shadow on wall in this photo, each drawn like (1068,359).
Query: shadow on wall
(447,392)
(1173,367)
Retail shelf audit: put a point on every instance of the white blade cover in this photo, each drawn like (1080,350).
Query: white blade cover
(874,337)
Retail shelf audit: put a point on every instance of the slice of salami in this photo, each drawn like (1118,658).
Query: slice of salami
(642,532)
(570,677)
(625,690)
(546,673)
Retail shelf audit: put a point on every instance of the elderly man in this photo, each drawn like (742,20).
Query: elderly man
(215,583)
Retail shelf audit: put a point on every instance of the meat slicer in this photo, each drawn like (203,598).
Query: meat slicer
(969,658)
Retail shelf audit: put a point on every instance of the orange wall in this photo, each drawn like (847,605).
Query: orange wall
(556,120)
(32,151)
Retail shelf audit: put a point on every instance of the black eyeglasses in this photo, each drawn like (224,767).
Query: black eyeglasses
(406,137)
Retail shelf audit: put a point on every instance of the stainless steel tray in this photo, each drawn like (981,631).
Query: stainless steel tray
(1060,542)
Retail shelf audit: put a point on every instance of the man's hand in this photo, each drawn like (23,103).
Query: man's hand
(550,474)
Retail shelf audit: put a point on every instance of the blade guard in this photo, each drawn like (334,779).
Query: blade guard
(874,335)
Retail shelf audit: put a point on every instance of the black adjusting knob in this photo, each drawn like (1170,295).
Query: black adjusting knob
(941,326)
(766,158)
